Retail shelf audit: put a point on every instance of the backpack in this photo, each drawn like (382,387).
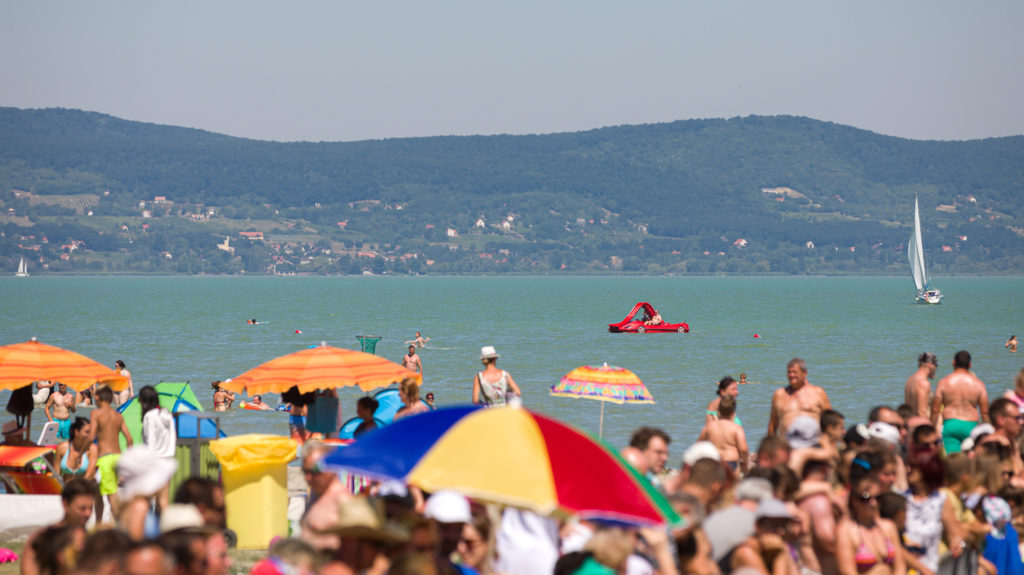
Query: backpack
(21,404)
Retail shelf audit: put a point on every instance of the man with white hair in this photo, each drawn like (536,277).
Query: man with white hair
(727,528)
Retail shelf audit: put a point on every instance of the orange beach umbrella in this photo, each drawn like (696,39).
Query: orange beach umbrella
(23,363)
(321,367)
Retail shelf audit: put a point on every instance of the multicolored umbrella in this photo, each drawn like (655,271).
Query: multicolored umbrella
(509,456)
(26,362)
(603,383)
(320,367)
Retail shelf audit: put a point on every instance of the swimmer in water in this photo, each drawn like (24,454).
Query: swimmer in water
(251,321)
(257,402)
(1011,344)
(420,341)
(743,379)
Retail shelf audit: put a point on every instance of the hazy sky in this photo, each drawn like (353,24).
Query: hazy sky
(334,70)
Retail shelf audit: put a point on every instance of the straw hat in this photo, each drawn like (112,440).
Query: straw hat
(359,519)
(487,352)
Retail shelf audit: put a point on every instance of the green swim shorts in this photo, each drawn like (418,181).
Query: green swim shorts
(107,466)
(954,431)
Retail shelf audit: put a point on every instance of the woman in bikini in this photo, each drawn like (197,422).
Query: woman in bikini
(222,400)
(866,543)
(77,456)
(726,386)
(492,385)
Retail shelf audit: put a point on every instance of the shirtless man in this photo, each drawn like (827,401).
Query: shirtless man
(1011,344)
(727,436)
(107,424)
(797,398)
(63,405)
(958,398)
(420,341)
(918,391)
(411,361)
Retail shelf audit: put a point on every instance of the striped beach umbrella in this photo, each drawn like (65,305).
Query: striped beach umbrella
(26,362)
(320,367)
(603,383)
(510,456)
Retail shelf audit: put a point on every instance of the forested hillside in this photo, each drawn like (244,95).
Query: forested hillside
(745,195)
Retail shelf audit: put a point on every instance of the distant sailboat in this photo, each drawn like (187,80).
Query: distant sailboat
(915,251)
(22,269)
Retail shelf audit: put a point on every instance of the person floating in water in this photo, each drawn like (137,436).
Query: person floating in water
(743,379)
(420,341)
(1011,344)
(251,321)
(257,402)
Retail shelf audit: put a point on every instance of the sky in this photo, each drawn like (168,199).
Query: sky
(343,71)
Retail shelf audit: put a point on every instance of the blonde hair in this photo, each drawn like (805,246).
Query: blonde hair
(611,547)
(409,389)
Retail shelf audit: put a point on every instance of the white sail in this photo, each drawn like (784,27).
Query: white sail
(915,251)
(22,269)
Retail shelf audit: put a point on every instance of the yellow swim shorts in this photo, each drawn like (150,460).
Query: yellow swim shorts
(107,466)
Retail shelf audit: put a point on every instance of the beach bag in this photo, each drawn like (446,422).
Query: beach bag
(21,404)
(293,397)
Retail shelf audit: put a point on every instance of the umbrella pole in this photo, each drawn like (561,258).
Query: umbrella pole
(600,428)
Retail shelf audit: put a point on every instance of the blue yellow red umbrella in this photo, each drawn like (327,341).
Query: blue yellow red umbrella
(509,456)
(603,383)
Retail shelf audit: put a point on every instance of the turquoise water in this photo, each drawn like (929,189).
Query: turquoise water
(860,336)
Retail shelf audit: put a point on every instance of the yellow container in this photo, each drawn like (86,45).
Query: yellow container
(254,469)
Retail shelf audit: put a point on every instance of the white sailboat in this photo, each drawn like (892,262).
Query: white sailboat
(915,251)
(22,269)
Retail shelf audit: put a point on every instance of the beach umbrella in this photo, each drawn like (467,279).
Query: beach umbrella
(26,362)
(320,367)
(603,383)
(510,456)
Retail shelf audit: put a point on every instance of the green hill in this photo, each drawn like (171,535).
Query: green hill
(649,198)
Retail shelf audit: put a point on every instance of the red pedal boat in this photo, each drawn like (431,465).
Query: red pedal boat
(637,322)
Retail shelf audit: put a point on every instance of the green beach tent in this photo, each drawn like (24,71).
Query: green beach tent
(174,397)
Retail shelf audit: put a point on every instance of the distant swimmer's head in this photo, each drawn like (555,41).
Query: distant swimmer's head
(257,399)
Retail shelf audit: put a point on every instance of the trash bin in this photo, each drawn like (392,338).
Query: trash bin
(369,343)
(254,469)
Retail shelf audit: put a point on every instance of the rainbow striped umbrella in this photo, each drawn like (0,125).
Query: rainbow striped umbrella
(603,383)
(509,456)
(320,367)
(23,363)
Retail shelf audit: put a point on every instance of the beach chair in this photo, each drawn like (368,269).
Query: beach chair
(48,435)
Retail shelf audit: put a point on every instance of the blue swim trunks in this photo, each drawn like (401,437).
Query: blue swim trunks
(63,429)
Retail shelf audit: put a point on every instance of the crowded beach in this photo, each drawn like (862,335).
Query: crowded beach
(932,485)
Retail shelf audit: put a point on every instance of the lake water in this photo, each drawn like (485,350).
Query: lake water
(860,336)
